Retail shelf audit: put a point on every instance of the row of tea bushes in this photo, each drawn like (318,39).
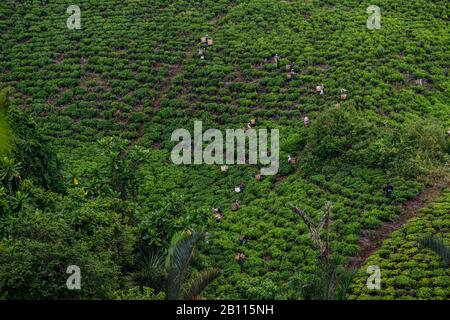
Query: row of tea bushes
(408,269)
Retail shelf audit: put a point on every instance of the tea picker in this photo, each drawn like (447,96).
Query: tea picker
(206,41)
(250,124)
(219,217)
(274,59)
(291,160)
(389,189)
(292,75)
(201,53)
(290,67)
(290,71)
(218,214)
(224,169)
(305,121)
(239,188)
(320,89)
(343,94)
(235,206)
(240,258)
(420,82)
(243,239)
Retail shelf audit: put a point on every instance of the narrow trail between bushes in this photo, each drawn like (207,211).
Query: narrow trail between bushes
(175,70)
(371,240)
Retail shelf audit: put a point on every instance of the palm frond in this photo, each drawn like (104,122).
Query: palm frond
(199,283)
(438,246)
(151,269)
(177,261)
(152,260)
(345,280)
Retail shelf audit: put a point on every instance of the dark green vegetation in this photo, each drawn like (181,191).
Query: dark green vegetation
(5,132)
(89,179)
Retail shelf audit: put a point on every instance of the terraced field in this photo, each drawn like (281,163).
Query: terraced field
(133,72)
(412,272)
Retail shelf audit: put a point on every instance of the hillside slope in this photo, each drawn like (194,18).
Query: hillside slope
(133,71)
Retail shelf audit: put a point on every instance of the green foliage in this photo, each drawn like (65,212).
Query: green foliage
(33,152)
(122,166)
(134,78)
(34,260)
(10,174)
(137,293)
(38,246)
(345,137)
(177,261)
(257,289)
(337,132)
(171,216)
(5,134)
(329,282)
(198,284)
(151,271)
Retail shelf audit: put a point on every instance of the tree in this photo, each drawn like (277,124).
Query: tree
(154,270)
(330,281)
(31,149)
(335,132)
(39,245)
(33,262)
(123,166)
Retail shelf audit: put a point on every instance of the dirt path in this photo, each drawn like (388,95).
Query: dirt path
(174,71)
(371,241)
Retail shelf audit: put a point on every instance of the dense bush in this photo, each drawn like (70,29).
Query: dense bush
(346,137)
(32,150)
(41,245)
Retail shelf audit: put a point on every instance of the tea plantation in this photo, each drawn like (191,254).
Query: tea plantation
(86,176)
